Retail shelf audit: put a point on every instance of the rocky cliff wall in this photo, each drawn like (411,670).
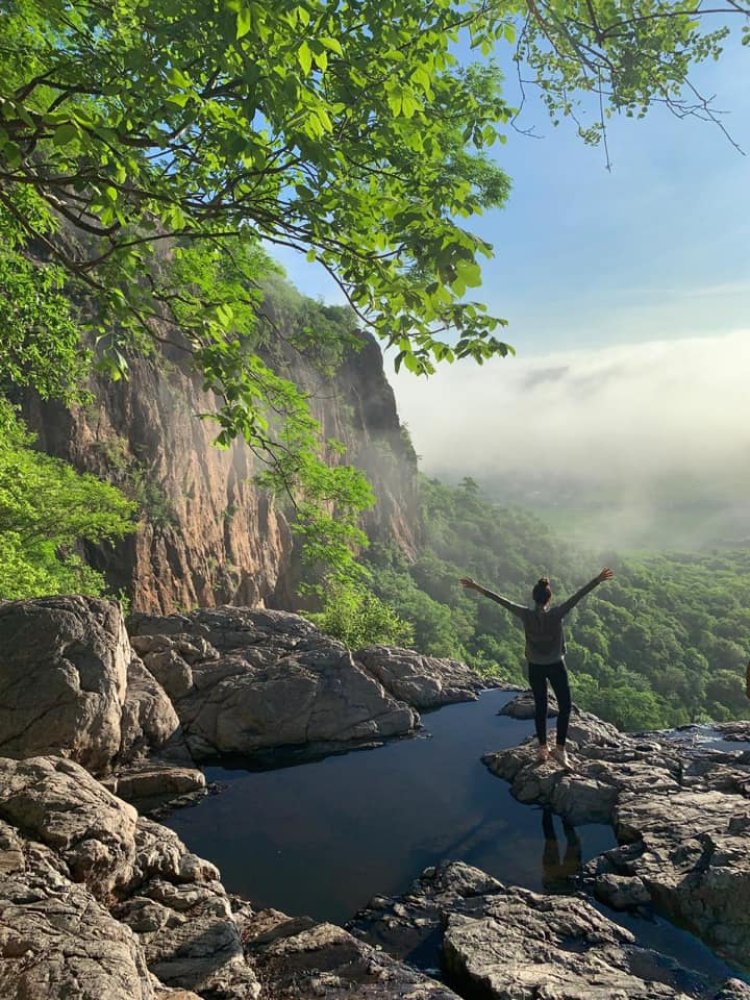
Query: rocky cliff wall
(208,535)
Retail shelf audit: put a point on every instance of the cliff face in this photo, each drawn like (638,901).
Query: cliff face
(209,536)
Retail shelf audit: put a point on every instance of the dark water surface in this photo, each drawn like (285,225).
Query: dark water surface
(322,838)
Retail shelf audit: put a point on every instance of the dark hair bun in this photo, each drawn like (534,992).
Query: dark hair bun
(542,592)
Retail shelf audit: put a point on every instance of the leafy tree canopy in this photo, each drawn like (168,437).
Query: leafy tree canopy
(147,147)
(346,130)
(46,509)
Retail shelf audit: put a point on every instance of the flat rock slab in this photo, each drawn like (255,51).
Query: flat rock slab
(152,785)
(520,946)
(683,820)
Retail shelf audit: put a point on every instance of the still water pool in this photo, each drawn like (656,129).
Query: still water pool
(321,838)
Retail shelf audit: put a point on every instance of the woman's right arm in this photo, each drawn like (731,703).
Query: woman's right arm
(469,584)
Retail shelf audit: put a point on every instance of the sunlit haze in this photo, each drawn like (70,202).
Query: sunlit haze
(624,434)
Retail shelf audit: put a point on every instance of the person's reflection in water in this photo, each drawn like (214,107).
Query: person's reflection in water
(559,875)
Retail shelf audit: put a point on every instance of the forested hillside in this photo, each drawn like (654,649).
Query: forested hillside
(153,156)
(663,644)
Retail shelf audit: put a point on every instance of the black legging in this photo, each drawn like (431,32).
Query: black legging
(557,675)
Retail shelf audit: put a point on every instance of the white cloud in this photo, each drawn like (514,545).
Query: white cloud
(629,416)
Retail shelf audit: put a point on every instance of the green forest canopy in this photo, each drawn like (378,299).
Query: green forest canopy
(663,644)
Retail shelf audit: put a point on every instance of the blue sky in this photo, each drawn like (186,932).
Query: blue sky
(657,248)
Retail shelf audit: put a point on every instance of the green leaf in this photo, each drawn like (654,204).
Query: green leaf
(177,78)
(304,57)
(65,133)
(332,44)
(244,22)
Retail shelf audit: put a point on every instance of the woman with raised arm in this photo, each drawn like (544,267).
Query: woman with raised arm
(545,651)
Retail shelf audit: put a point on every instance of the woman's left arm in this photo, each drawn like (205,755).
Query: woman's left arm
(566,606)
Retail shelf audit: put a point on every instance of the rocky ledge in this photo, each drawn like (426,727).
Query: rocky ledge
(244,681)
(681,816)
(99,902)
(498,942)
(138,710)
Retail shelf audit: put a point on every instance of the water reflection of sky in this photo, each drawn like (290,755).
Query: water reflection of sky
(322,838)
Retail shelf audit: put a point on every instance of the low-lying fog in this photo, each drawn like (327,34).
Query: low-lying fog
(643,445)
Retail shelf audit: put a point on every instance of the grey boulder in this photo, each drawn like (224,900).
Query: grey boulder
(506,943)
(682,818)
(63,679)
(269,679)
(96,902)
(421,681)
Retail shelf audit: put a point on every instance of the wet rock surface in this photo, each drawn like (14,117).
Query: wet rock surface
(497,941)
(682,818)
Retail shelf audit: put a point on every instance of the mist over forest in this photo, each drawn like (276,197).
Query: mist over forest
(641,446)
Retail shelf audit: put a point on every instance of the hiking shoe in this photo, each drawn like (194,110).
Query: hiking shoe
(542,754)
(560,754)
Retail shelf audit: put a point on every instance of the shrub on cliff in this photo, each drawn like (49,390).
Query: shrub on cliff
(46,510)
(353,614)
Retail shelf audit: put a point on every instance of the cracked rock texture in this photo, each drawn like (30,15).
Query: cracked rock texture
(246,680)
(501,942)
(300,960)
(63,679)
(682,818)
(421,681)
(97,902)
(71,685)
